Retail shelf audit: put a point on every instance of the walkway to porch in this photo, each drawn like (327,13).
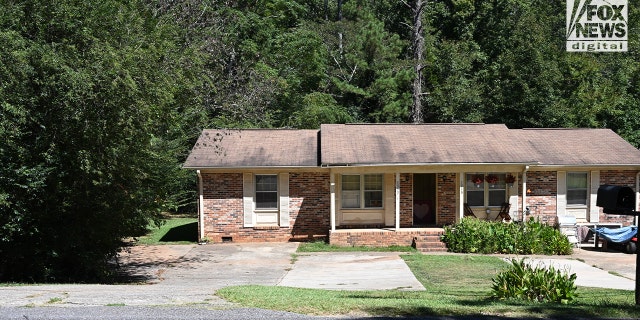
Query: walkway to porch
(423,239)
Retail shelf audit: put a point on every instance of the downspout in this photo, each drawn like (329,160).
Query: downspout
(637,196)
(524,193)
(200,206)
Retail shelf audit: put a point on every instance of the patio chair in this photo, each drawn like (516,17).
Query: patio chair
(468,212)
(504,212)
(569,227)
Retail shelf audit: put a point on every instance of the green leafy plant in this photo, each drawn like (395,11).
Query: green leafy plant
(532,237)
(538,284)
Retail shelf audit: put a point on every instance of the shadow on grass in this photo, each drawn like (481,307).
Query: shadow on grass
(186,232)
(506,310)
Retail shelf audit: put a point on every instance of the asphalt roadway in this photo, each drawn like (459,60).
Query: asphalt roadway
(179,281)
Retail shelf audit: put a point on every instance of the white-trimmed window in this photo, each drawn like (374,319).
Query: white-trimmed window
(357,187)
(486,189)
(266,191)
(577,188)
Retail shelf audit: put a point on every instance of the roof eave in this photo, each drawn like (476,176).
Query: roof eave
(247,167)
(407,164)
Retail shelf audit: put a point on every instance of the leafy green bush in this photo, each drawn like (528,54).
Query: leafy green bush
(532,237)
(539,284)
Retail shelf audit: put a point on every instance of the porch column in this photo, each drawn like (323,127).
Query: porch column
(524,193)
(397,201)
(461,185)
(200,205)
(332,209)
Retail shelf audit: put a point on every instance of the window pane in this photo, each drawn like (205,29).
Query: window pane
(577,183)
(266,200)
(266,183)
(475,198)
(576,180)
(373,182)
(351,199)
(496,197)
(475,181)
(350,182)
(577,196)
(496,181)
(373,199)
(266,192)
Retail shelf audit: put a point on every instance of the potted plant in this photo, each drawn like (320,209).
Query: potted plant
(477,180)
(510,180)
(492,179)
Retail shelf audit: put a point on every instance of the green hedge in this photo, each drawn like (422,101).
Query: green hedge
(472,235)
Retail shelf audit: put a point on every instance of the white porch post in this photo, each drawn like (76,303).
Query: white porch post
(200,205)
(461,186)
(397,201)
(332,189)
(524,193)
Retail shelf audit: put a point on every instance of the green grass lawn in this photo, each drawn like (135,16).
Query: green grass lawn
(173,231)
(455,285)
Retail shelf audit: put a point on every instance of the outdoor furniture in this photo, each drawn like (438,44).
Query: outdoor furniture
(569,227)
(624,237)
(504,212)
(468,212)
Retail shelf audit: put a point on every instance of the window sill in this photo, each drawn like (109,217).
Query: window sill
(266,227)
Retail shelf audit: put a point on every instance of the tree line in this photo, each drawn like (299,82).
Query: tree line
(101,101)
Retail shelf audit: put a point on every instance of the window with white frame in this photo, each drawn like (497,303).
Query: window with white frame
(266,191)
(577,192)
(357,187)
(486,189)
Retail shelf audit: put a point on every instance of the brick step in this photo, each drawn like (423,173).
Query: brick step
(433,238)
(429,243)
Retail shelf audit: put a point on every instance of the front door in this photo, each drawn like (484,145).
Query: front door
(424,199)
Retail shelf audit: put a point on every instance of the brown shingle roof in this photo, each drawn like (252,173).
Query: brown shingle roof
(419,143)
(577,147)
(254,148)
(389,144)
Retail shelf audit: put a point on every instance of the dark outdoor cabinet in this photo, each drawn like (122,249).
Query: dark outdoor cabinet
(616,199)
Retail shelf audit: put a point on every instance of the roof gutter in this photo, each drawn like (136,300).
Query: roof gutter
(408,164)
(252,168)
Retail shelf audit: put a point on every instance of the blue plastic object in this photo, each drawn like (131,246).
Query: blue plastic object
(618,235)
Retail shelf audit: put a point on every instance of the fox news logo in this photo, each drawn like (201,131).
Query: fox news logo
(597,25)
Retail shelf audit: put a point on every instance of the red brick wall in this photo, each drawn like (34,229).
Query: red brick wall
(380,238)
(542,191)
(625,178)
(222,194)
(309,204)
(446,198)
(223,209)
(406,200)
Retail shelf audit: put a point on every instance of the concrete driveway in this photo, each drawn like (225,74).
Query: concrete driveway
(190,274)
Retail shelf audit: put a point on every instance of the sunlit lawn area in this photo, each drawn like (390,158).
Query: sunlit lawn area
(455,285)
(179,230)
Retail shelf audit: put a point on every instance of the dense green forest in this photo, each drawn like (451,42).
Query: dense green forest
(101,100)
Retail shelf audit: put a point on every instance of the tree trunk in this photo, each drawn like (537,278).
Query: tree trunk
(418,52)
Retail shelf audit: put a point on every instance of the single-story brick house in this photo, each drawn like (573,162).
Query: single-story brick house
(383,184)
